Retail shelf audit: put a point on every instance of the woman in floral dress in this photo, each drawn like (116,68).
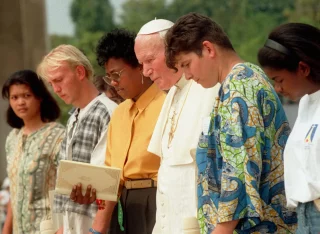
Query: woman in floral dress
(32,149)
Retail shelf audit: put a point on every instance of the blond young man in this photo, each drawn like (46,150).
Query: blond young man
(69,72)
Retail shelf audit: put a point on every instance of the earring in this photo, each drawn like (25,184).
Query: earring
(142,78)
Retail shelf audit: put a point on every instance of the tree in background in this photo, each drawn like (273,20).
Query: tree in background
(306,11)
(56,40)
(222,11)
(247,22)
(254,22)
(90,16)
(138,12)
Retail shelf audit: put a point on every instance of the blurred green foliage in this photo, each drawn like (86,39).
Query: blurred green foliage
(247,22)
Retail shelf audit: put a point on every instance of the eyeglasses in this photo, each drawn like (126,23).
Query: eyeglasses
(114,76)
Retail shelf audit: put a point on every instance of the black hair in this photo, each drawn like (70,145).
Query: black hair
(118,44)
(49,109)
(302,43)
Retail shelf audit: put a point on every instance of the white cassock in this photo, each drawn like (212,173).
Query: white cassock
(186,109)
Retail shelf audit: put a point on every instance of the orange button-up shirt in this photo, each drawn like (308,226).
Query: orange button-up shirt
(129,134)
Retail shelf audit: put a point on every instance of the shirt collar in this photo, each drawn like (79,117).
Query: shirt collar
(145,99)
(182,82)
(314,96)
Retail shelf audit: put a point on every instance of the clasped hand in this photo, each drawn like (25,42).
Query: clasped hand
(77,197)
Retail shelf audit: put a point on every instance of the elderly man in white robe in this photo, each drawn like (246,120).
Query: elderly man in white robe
(184,116)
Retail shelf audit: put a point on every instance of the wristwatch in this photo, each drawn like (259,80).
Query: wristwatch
(94,231)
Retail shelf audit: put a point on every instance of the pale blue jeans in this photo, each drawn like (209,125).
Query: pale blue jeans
(308,219)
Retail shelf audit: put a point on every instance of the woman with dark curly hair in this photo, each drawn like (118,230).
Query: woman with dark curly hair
(32,149)
(129,133)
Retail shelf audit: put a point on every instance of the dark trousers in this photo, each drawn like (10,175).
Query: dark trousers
(139,212)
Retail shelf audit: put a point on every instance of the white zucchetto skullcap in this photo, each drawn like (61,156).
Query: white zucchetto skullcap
(154,26)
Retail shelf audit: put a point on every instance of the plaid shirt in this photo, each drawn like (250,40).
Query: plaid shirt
(81,138)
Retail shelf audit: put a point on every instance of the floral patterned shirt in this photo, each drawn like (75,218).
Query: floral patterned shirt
(240,158)
(32,164)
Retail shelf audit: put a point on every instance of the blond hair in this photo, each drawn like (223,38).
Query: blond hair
(64,53)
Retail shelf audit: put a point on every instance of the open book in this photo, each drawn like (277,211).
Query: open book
(102,178)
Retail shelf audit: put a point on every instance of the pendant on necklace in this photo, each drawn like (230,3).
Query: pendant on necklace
(171,135)
(172,129)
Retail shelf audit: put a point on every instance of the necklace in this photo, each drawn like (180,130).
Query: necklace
(174,124)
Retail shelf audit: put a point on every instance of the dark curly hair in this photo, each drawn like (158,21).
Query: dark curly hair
(303,43)
(118,44)
(49,109)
